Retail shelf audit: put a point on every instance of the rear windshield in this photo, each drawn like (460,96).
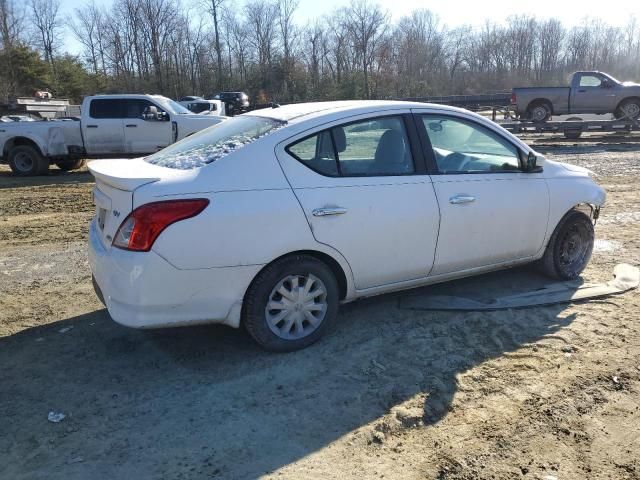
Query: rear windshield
(214,142)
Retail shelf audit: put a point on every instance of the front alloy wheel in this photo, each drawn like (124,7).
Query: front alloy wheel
(629,110)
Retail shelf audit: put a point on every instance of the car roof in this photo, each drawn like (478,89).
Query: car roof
(301,111)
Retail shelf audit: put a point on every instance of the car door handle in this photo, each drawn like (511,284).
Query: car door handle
(92,126)
(582,91)
(326,211)
(131,125)
(459,199)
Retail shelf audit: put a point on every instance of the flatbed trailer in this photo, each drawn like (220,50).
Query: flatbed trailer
(497,102)
(573,129)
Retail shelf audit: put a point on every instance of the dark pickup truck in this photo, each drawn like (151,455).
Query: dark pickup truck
(589,92)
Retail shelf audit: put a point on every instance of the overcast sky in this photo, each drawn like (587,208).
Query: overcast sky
(451,12)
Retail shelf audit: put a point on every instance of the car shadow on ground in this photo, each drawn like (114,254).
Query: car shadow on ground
(54,177)
(206,402)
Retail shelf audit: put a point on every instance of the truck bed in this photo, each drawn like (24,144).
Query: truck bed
(558,96)
(52,137)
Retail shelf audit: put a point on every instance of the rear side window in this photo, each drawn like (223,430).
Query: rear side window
(317,153)
(215,142)
(106,108)
(374,147)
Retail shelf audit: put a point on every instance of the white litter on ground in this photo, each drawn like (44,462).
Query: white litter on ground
(606,246)
(56,417)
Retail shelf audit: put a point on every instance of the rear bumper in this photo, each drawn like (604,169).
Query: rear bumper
(143,290)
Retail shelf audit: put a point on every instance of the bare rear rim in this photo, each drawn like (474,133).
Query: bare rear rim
(23,162)
(297,306)
(539,113)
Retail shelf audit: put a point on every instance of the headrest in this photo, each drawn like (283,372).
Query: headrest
(391,147)
(340,138)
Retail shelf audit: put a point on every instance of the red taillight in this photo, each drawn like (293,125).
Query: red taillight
(514,98)
(142,226)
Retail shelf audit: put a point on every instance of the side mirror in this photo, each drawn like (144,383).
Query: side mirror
(606,84)
(435,126)
(534,163)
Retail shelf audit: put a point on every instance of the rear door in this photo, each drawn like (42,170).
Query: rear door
(103,129)
(145,134)
(365,192)
(492,212)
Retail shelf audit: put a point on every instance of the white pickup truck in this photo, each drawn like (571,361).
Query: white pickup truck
(110,126)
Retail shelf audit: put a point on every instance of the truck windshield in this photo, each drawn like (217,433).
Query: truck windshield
(615,80)
(214,142)
(173,107)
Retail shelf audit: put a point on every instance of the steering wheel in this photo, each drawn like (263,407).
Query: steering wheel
(455,162)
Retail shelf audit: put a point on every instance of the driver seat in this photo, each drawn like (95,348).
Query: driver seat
(391,155)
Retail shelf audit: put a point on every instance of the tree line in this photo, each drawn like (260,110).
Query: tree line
(355,51)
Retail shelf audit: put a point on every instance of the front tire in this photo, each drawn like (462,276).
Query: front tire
(570,247)
(291,303)
(26,160)
(629,110)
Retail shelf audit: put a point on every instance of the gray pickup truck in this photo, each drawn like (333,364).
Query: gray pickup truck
(589,92)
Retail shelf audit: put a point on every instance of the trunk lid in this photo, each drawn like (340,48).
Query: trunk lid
(116,181)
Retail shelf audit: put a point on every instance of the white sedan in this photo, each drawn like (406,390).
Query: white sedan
(274,218)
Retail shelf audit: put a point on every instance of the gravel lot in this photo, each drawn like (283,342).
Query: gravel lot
(546,393)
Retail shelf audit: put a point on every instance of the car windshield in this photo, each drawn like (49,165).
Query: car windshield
(215,142)
(173,107)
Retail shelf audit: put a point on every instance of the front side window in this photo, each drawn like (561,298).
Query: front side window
(461,146)
(138,107)
(374,147)
(590,81)
(215,142)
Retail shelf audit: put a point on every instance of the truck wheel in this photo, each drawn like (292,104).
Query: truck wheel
(25,160)
(573,134)
(539,112)
(629,109)
(570,247)
(68,165)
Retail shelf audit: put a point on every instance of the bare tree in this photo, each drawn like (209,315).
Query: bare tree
(48,26)
(11,23)
(89,31)
(367,23)
(214,7)
(286,9)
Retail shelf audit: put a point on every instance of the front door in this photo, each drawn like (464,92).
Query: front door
(593,95)
(491,210)
(365,192)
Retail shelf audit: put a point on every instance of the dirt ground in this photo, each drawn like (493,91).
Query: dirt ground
(542,393)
